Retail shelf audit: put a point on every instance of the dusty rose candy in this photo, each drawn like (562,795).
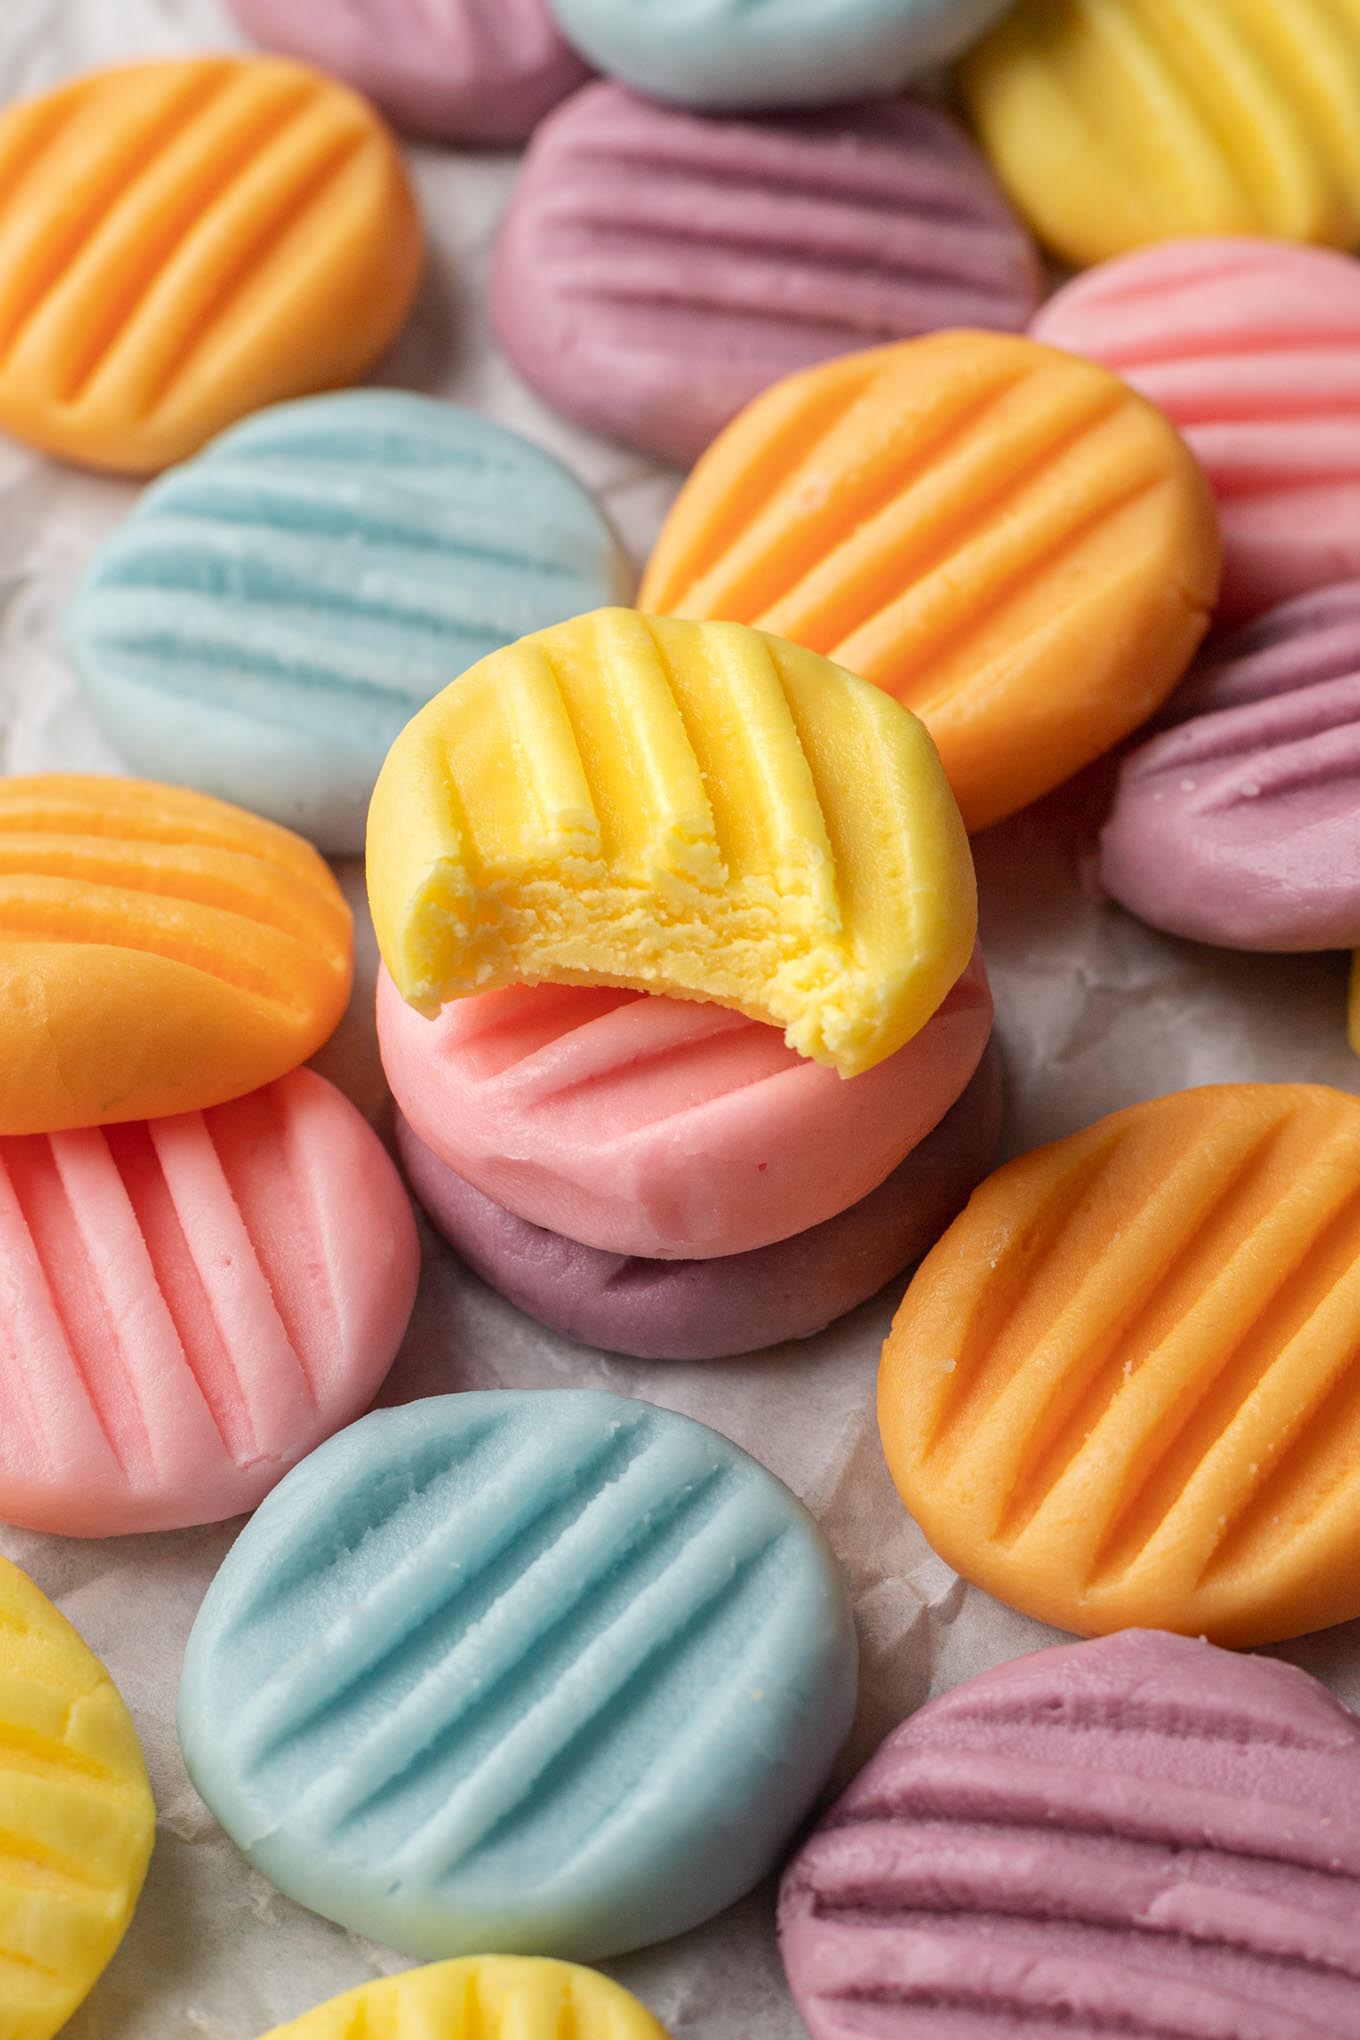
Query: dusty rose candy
(708,1310)
(658,269)
(1240,824)
(1142,1836)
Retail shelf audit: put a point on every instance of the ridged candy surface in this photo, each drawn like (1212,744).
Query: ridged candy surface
(1120,122)
(770,53)
(1123,1388)
(662,1127)
(76,1815)
(729,1303)
(552,1672)
(463,71)
(692,809)
(182,242)
(274,612)
(1142,1836)
(1009,541)
(192,1304)
(159,952)
(484,1997)
(658,270)
(1240,823)
(1253,350)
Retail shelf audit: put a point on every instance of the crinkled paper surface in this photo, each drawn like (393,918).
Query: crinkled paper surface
(1094,1012)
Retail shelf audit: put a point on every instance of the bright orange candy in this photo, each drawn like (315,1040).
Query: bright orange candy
(159,952)
(1008,539)
(183,242)
(1123,1390)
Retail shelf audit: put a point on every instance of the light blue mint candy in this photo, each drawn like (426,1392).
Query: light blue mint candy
(274,611)
(553,1673)
(772,53)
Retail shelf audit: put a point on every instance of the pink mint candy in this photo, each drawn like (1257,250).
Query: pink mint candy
(1142,1836)
(458,71)
(191,1305)
(661,1127)
(733,1303)
(1252,348)
(658,269)
(1241,824)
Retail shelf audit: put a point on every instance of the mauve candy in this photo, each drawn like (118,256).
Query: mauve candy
(658,270)
(463,71)
(1142,1836)
(1241,824)
(709,1310)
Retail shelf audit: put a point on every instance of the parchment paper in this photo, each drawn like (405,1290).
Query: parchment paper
(1094,1012)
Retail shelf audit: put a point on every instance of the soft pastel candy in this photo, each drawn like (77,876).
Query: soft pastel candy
(273,613)
(1122,1388)
(191,1305)
(184,241)
(662,1127)
(1011,542)
(657,270)
(1240,823)
(159,952)
(547,1671)
(1253,350)
(482,1997)
(692,809)
(1119,122)
(1142,1836)
(730,1303)
(769,53)
(472,71)
(76,1816)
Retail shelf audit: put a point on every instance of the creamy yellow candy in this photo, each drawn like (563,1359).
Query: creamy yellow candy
(689,808)
(76,1814)
(484,1997)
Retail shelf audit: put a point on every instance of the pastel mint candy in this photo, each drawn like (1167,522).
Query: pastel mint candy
(554,1672)
(275,611)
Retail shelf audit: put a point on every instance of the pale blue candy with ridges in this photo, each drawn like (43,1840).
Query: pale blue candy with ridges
(520,1672)
(772,53)
(276,610)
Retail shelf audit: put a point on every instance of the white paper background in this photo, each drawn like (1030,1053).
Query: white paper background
(1094,1012)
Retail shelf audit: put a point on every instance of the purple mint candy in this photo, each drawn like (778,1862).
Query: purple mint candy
(1240,824)
(1142,1836)
(659,269)
(736,1303)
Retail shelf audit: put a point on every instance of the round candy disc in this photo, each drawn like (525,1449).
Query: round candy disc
(1122,1388)
(192,1304)
(550,1671)
(76,1815)
(484,1997)
(1119,122)
(730,1303)
(340,559)
(159,952)
(182,242)
(766,53)
(472,71)
(1140,1836)
(1249,348)
(1008,540)
(1240,823)
(662,1127)
(659,269)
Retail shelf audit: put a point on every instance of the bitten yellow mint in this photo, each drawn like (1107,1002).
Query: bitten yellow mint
(695,809)
(483,1997)
(76,1814)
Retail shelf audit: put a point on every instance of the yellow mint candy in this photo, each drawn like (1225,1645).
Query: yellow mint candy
(76,1814)
(483,1997)
(690,808)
